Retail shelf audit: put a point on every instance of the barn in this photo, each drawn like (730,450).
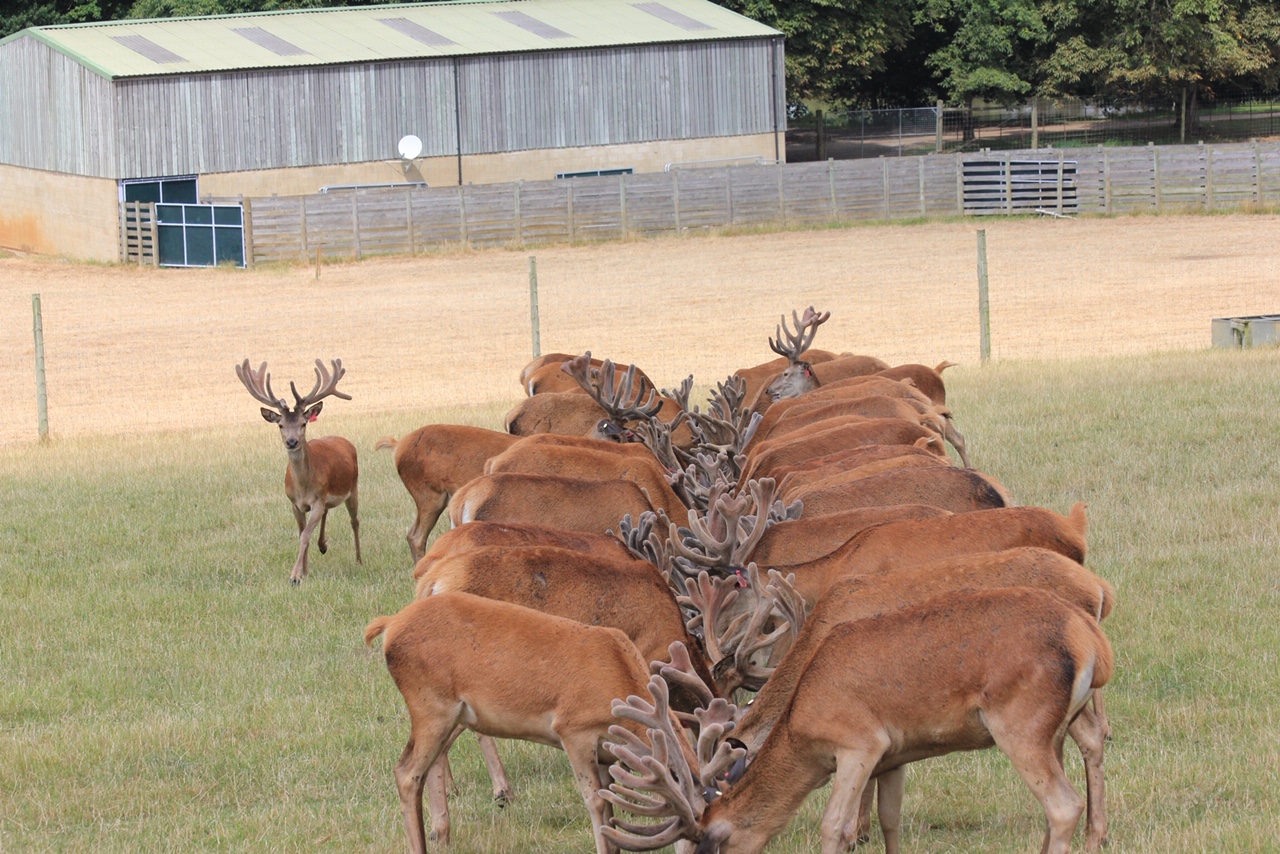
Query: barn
(180,111)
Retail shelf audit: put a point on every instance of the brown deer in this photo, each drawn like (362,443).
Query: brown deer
(863,596)
(817,441)
(479,535)
(322,473)
(501,670)
(433,463)
(1010,667)
(802,375)
(594,506)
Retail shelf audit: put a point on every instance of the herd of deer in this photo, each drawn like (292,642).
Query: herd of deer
(806,537)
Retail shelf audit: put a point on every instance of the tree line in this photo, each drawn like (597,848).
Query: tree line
(878,53)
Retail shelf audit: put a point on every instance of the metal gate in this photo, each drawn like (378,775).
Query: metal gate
(193,235)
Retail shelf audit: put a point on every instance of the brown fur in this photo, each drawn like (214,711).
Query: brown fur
(809,538)
(885,691)
(433,462)
(479,535)
(898,545)
(593,459)
(817,440)
(558,502)
(509,672)
(956,489)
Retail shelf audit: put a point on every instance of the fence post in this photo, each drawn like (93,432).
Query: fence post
(822,135)
(782,195)
(572,229)
(937,145)
(408,221)
(42,398)
(728,197)
(462,215)
(1061,165)
(519,223)
(1106,179)
(247,205)
(1155,173)
(920,163)
(1035,122)
(831,185)
(884,185)
(1208,175)
(675,197)
(1257,172)
(302,228)
(355,226)
(959,158)
(533,306)
(984,306)
(622,204)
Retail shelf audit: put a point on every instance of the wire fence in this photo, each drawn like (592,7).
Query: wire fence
(902,132)
(132,349)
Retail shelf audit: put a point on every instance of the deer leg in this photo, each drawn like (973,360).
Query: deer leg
(588,775)
(1087,732)
(889,786)
(1035,757)
(1101,714)
(438,798)
(430,505)
(852,777)
(497,774)
(353,510)
(321,542)
(315,517)
(425,746)
(858,829)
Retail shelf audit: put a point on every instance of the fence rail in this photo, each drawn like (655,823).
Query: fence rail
(1098,180)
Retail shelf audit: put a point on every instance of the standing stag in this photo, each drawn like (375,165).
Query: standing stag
(322,473)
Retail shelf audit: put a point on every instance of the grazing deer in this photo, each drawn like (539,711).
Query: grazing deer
(1010,668)
(433,463)
(322,473)
(498,669)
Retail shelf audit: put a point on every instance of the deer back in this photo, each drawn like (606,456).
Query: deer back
(558,502)
(478,535)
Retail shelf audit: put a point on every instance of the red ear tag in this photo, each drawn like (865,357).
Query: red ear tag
(313,417)
(808,373)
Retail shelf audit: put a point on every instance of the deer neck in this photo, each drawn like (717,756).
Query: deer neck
(300,465)
(761,804)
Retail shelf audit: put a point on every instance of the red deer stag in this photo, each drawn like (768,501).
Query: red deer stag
(322,473)
(1009,668)
(498,669)
(865,596)
(433,463)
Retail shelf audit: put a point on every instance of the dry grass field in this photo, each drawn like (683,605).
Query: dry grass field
(132,350)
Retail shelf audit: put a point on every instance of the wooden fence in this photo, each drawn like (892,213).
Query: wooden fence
(139,243)
(357,223)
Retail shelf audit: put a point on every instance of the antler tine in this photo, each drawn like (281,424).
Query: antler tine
(629,404)
(680,671)
(326,385)
(259,384)
(746,637)
(656,779)
(790,605)
(802,338)
(681,395)
(710,597)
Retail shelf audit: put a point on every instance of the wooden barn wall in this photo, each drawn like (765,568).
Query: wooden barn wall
(54,113)
(610,97)
(282,118)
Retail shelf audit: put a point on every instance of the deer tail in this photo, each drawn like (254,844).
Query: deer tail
(375,629)
(385,442)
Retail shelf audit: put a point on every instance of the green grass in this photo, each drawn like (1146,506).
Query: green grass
(162,687)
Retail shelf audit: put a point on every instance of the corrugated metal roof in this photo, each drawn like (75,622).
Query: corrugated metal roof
(377,33)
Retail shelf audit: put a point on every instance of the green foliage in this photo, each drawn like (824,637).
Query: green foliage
(162,687)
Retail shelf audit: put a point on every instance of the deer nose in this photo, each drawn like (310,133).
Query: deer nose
(291,443)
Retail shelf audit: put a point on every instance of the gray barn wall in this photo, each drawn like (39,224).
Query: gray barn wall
(65,118)
(55,114)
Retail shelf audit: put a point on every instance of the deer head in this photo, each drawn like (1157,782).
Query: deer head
(798,377)
(292,421)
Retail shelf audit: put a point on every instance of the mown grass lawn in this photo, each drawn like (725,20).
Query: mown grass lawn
(162,686)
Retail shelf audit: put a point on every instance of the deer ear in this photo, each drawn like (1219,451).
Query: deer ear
(270,415)
(807,371)
(314,412)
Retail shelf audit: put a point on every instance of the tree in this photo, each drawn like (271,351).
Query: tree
(991,50)
(833,46)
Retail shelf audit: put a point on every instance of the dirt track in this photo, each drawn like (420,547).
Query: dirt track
(142,349)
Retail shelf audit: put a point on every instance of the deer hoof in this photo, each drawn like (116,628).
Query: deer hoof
(295,581)
(502,798)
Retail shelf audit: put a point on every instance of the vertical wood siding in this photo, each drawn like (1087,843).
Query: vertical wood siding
(65,118)
(54,113)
